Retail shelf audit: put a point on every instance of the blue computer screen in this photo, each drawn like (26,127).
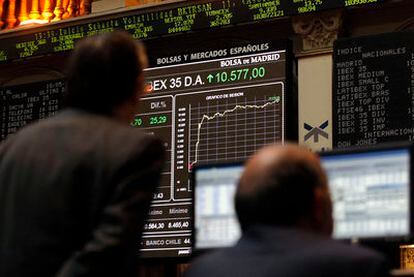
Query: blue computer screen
(215,220)
(370,193)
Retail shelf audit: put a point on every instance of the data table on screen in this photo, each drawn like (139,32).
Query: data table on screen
(216,223)
(371,193)
(207,111)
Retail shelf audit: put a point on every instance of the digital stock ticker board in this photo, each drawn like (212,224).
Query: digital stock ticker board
(214,106)
(208,106)
(161,20)
(21,105)
(373,89)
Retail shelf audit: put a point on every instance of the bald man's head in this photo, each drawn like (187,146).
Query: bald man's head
(285,186)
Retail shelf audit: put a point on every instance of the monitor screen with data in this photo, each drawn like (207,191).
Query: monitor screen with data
(216,223)
(370,190)
(208,106)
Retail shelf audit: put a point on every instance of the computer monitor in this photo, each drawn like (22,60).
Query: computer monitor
(371,193)
(215,221)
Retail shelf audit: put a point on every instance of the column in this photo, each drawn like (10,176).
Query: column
(34,13)
(65,9)
(23,16)
(85,7)
(72,8)
(1,12)
(47,10)
(316,34)
(58,11)
(11,15)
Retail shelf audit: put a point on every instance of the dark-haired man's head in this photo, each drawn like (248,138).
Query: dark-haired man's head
(105,75)
(284,186)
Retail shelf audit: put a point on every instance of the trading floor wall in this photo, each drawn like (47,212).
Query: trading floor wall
(218,66)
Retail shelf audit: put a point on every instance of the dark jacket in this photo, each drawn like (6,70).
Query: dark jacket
(270,251)
(74,194)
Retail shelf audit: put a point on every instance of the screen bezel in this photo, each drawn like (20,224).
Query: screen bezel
(377,148)
(199,251)
(234,39)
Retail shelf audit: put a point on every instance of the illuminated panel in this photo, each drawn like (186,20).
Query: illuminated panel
(216,223)
(371,193)
(27,103)
(373,89)
(213,106)
(163,20)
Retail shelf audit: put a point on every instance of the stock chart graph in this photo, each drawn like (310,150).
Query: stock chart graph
(210,107)
(233,129)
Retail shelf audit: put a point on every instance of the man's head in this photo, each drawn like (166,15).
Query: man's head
(105,75)
(284,186)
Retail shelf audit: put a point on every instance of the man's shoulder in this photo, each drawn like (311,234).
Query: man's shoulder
(310,256)
(315,245)
(81,123)
(81,132)
(347,260)
(346,252)
(324,254)
(215,263)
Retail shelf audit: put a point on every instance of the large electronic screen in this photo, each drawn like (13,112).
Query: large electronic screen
(155,21)
(215,221)
(370,192)
(23,104)
(373,89)
(208,106)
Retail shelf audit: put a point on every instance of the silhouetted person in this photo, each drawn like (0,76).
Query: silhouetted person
(284,208)
(75,188)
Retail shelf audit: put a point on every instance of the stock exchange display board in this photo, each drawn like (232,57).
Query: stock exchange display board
(21,105)
(213,106)
(373,89)
(162,20)
(209,106)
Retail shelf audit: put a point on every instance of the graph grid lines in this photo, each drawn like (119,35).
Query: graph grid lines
(232,131)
